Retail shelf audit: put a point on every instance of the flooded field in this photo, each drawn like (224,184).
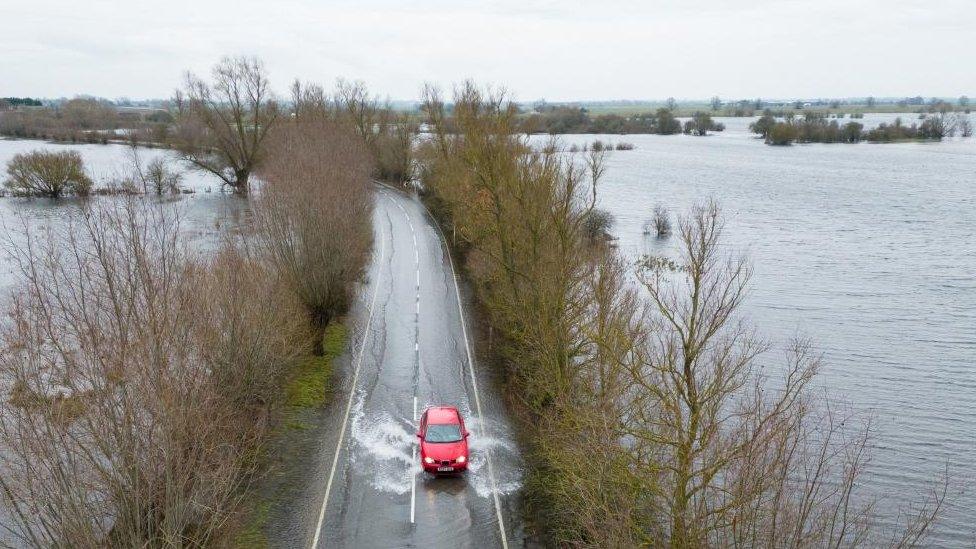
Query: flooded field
(868,249)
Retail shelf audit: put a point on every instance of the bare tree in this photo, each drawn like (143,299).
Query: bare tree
(221,126)
(661,222)
(135,409)
(388,134)
(965,126)
(728,458)
(313,214)
(154,177)
(308,98)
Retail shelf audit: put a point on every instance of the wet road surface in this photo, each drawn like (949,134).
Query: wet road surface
(410,349)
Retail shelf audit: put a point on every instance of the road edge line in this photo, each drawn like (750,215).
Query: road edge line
(352,393)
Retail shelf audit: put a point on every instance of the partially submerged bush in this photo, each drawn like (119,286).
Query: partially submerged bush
(781,134)
(50,174)
(624,146)
(965,127)
(156,177)
(661,221)
(597,223)
(701,123)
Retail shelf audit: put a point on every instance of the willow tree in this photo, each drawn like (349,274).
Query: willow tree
(221,126)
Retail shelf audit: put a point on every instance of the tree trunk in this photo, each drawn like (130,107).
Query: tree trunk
(241,182)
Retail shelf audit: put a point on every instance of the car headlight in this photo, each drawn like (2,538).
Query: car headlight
(428,460)
(461,459)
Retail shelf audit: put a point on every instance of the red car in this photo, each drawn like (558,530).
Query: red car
(443,441)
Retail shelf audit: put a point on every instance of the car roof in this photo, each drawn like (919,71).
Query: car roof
(443,414)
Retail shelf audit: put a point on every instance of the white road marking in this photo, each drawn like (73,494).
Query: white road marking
(413,489)
(416,348)
(352,393)
(474,381)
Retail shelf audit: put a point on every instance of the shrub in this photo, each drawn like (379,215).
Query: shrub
(624,146)
(852,132)
(965,127)
(701,123)
(155,177)
(763,125)
(666,123)
(662,221)
(781,134)
(597,224)
(50,174)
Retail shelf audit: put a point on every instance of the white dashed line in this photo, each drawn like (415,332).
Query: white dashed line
(413,484)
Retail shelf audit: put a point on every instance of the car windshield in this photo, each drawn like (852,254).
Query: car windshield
(443,433)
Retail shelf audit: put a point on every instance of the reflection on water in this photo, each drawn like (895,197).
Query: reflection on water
(868,249)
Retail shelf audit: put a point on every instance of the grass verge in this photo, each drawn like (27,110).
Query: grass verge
(310,387)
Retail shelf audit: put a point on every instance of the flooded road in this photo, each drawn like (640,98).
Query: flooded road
(868,249)
(409,349)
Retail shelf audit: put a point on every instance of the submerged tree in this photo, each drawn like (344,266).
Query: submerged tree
(221,127)
(50,174)
(701,123)
(727,456)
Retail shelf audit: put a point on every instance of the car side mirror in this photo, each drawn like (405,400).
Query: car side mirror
(419,435)
(467,434)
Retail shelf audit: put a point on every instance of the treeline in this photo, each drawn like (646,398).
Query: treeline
(218,127)
(646,413)
(9,102)
(565,120)
(816,127)
(86,120)
(134,413)
(229,147)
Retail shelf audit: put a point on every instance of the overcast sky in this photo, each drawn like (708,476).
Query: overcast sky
(557,50)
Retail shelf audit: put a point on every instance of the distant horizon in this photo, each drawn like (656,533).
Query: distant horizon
(582,102)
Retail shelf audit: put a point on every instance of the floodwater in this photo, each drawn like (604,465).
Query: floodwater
(868,249)
(206,215)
